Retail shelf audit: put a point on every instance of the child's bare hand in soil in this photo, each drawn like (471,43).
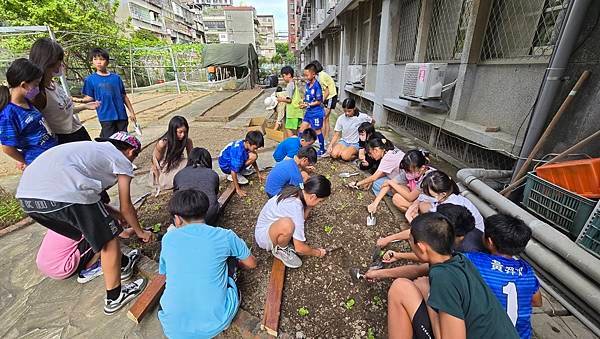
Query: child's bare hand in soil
(390,256)
(145,236)
(382,242)
(240,192)
(322,252)
(372,207)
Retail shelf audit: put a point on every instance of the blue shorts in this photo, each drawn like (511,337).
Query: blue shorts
(347,144)
(315,122)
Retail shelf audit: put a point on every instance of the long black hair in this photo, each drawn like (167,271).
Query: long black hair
(414,159)
(46,54)
(200,157)
(368,128)
(384,144)
(175,147)
(349,103)
(439,182)
(316,184)
(20,70)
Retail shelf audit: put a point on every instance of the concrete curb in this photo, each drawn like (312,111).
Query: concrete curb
(232,116)
(21,224)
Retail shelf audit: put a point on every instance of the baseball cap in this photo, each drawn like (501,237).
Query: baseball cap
(123,137)
(270,102)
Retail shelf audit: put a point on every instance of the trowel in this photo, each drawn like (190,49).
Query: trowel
(356,275)
(347,174)
(371,219)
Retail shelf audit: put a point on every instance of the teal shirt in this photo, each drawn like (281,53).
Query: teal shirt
(200,299)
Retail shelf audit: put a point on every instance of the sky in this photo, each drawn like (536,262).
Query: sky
(276,7)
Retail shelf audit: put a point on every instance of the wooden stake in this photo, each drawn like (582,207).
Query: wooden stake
(270,321)
(147,299)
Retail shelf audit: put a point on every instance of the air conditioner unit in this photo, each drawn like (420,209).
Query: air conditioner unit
(331,5)
(320,16)
(331,70)
(355,73)
(423,80)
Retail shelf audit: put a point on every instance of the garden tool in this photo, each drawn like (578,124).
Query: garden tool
(138,129)
(376,262)
(356,275)
(371,219)
(333,249)
(141,200)
(347,174)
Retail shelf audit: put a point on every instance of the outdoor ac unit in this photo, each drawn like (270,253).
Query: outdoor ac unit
(320,16)
(423,80)
(355,73)
(331,70)
(331,4)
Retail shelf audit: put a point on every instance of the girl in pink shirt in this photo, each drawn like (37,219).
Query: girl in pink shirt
(60,257)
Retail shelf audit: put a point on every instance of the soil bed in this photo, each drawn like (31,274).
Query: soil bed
(322,286)
(230,105)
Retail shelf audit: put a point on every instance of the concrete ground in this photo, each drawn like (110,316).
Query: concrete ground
(34,306)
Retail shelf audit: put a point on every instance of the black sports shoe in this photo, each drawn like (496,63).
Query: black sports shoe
(127,271)
(128,292)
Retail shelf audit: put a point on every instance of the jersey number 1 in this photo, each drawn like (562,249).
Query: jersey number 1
(512,305)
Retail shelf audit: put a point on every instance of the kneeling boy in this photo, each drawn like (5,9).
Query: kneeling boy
(237,156)
(288,148)
(291,171)
(201,297)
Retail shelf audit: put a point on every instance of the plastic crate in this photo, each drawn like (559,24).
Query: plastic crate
(578,176)
(565,210)
(589,238)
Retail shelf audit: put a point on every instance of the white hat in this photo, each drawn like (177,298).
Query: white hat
(270,102)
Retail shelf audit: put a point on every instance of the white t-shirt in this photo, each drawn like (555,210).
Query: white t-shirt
(59,111)
(459,200)
(349,126)
(390,163)
(273,211)
(75,172)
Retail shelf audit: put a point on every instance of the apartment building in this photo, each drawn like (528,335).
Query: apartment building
(489,59)
(215,28)
(169,19)
(242,25)
(266,31)
(293,12)
(281,37)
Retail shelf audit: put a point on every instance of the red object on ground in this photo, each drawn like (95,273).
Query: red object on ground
(579,176)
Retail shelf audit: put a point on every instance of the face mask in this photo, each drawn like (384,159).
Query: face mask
(32,93)
(412,176)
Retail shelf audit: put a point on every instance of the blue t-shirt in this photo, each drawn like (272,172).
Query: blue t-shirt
(284,173)
(314,93)
(25,129)
(109,90)
(233,157)
(200,299)
(514,283)
(287,148)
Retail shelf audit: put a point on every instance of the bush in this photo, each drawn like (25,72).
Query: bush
(10,209)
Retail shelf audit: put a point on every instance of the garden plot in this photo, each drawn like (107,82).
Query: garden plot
(319,299)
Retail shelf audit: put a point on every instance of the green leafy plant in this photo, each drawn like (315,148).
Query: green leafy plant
(381,253)
(303,311)
(328,176)
(262,188)
(156,227)
(328,229)
(360,195)
(377,301)
(370,334)
(248,201)
(349,304)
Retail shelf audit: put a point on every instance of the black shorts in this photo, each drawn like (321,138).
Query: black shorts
(111,127)
(421,323)
(330,103)
(85,255)
(74,220)
(79,135)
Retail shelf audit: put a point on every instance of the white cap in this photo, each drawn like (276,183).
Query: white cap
(270,102)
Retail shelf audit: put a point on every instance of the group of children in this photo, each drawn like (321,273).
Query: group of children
(468,281)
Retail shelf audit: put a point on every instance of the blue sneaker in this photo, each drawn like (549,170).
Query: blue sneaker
(90,273)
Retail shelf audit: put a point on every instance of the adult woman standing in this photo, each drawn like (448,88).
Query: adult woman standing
(56,105)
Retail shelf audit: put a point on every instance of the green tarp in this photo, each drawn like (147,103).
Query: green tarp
(236,55)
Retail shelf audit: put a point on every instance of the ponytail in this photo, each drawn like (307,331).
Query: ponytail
(382,143)
(439,182)
(414,159)
(318,185)
(200,157)
(4,96)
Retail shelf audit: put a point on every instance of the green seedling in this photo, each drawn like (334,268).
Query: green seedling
(381,253)
(248,201)
(349,304)
(377,301)
(360,195)
(328,176)
(370,334)
(303,311)
(262,188)
(328,229)
(250,182)
(156,227)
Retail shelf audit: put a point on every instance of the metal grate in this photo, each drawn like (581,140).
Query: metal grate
(447,29)
(415,127)
(523,29)
(375,30)
(410,10)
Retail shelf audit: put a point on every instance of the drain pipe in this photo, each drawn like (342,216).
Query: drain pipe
(546,234)
(560,58)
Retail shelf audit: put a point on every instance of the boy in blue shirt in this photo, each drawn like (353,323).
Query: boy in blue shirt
(199,261)
(237,156)
(289,147)
(512,279)
(107,88)
(313,98)
(291,171)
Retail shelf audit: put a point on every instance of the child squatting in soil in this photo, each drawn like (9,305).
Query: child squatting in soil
(201,297)
(344,144)
(455,301)
(288,148)
(291,171)
(382,150)
(366,132)
(281,221)
(170,153)
(237,157)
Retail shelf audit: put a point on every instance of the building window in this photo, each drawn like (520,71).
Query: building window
(447,29)
(363,31)
(409,13)
(375,30)
(523,29)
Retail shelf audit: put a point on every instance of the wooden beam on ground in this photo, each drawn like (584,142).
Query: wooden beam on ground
(270,322)
(148,298)
(146,301)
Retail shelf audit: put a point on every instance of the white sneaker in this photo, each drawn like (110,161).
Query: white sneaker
(247,171)
(128,293)
(241,179)
(287,255)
